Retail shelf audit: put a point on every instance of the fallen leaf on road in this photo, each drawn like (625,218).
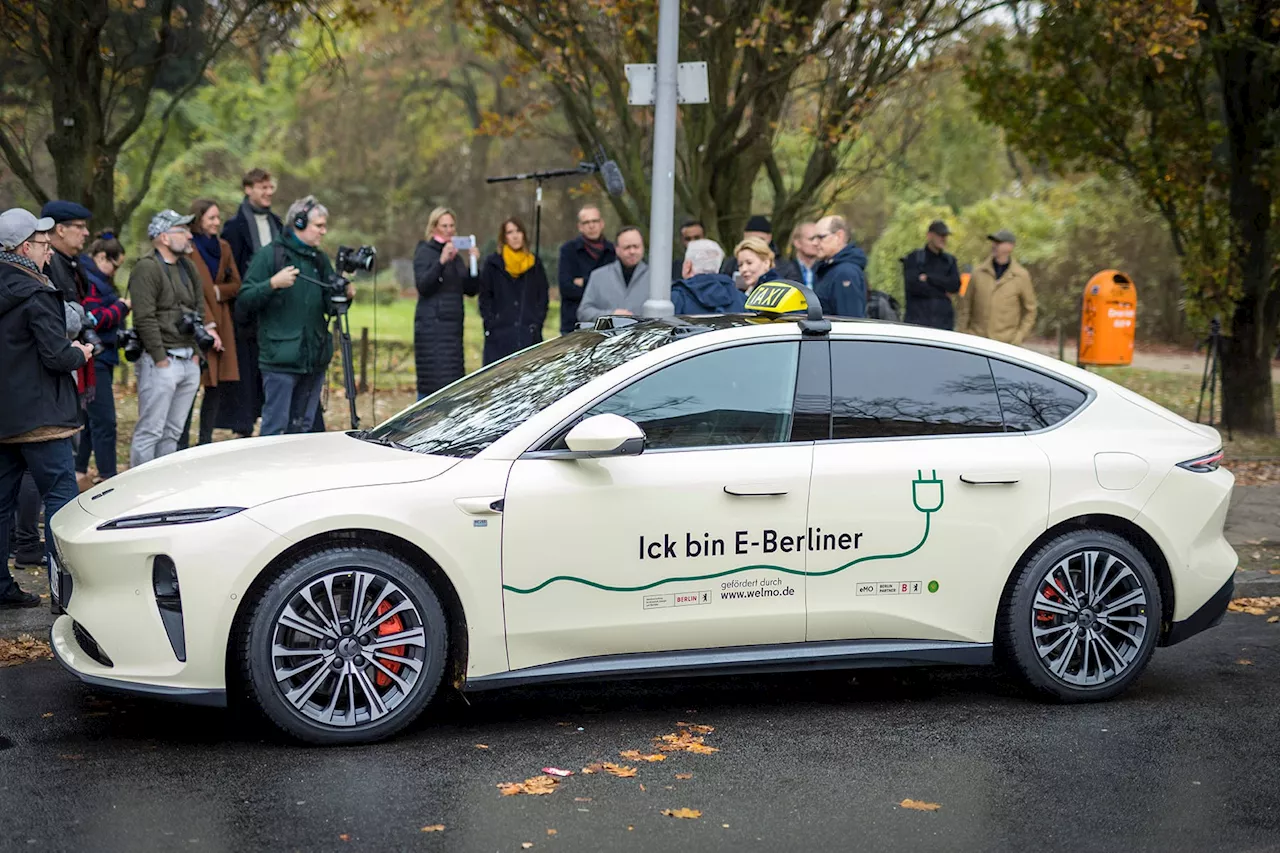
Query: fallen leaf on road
(24,649)
(1254,606)
(556,771)
(697,729)
(1245,662)
(684,775)
(683,742)
(551,832)
(619,770)
(482,746)
(536,786)
(919,805)
(641,786)
(582,799)
(688,814)
(1273,571)
(435,827)
(47,715)
(637,755)
(526,845)
(344,837)
(1273,619)
(592,768)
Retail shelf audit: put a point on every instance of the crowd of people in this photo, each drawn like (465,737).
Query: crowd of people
(242,308)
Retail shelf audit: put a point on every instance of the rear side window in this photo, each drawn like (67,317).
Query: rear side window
(1031,400)
(883,390)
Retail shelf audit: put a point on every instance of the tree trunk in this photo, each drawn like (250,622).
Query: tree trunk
(1248,403)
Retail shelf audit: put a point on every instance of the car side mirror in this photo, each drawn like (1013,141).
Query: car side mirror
(605,435)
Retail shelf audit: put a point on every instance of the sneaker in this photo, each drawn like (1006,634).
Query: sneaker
(15,597)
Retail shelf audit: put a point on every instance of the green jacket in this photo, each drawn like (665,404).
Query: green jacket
(293,331)
(158,305)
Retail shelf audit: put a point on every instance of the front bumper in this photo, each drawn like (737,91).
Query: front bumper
(1209,614)
(73,657)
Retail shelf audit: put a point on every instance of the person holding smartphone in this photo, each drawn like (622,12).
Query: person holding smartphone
(442,278)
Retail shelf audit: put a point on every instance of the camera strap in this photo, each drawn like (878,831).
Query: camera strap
(182,273)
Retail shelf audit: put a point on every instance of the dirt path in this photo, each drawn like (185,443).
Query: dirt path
(1166,362)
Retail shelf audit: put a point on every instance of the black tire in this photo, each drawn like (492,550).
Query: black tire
(260,633)
(1022,609)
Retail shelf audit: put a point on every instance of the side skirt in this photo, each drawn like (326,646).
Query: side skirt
(740,660)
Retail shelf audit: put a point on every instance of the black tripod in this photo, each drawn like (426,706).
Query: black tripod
(339,303)
(1209,380)
(538,178)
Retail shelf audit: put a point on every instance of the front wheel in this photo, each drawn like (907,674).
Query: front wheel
(347,645)
(1082,619)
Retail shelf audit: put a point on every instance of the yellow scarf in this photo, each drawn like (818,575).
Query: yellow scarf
(517,263)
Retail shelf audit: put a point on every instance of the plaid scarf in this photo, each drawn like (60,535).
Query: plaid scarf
(14,258)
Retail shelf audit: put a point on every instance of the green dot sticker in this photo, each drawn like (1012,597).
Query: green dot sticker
(933,586)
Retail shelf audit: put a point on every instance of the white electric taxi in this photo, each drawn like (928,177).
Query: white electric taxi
(768,491)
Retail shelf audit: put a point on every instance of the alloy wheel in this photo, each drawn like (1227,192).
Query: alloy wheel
(348,647)
(1089,618)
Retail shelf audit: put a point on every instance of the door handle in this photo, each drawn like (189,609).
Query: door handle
(755,490)
(488,505)
(990,478)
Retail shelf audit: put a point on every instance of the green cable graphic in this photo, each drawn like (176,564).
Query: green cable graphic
(929,507)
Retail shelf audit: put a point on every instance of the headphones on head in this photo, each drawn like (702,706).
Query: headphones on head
(304,216)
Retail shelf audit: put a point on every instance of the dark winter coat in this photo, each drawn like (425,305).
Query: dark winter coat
(708,293)
(107,308)
(66,275)
(293,322)
(437,320)
(237,233)
(929,301)
(841,284)
(36,383)
(513,309)
(575,263)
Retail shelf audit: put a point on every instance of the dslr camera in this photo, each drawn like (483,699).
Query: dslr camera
(190,325)
(353,260)
(130,343)
(89,335)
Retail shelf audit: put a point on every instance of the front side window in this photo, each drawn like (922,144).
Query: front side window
(1031,400)
(883,390)
(738,395)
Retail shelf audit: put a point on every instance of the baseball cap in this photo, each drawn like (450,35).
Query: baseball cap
(759,223)
(165,220)
(1004,235)
(65,211)
(939,227)
(17,226)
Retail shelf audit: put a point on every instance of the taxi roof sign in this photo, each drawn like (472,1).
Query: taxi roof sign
(779,298)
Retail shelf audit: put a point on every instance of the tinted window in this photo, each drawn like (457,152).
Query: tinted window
(472,413)
(886,389)
(740,395)
(1032,400)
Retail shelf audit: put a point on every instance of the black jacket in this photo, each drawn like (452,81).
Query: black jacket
(66,275)
(437,319)
(513,309)
(36,383)
(928,302)
(236,233)
(576,263)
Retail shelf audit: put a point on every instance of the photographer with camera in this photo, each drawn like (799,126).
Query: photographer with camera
(289,288)
(168,317)
(103,303)
(40,411)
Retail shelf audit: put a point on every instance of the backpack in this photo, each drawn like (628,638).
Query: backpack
(882,306)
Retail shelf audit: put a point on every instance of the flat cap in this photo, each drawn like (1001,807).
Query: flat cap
(65,211)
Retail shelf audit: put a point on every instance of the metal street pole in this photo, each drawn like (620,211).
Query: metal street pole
(663,195)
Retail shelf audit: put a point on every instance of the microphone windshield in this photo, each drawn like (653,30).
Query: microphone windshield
(612,175)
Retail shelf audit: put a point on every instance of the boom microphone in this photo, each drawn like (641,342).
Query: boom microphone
(610,173)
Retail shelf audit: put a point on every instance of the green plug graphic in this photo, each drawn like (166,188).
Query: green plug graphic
(927,494)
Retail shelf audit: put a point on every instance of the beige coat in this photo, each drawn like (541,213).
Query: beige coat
(1003,310)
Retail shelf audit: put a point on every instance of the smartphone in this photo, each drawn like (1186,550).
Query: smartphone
(464,244)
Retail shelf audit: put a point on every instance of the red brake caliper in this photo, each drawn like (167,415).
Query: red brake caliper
(391,626)
(1052,594)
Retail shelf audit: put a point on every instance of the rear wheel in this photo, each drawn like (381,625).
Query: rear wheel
(347,645)
(1082,619)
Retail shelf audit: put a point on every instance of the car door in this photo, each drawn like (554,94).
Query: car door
(938,498)
(681,546)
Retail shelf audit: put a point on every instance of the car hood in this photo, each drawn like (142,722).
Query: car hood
(252,471)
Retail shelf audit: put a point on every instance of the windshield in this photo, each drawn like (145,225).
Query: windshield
(472,413)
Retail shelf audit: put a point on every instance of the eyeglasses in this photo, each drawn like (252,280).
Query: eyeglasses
(40,242)
(81,226)
(824,236)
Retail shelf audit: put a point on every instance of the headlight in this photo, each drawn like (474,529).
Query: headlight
(176,516)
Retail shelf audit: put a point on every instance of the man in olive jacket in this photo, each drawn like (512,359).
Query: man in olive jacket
(999,302)
(166,292)
(283,288)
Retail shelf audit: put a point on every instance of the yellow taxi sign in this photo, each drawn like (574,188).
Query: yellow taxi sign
(777,298)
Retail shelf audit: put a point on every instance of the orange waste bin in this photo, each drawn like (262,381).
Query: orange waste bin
(1107,320)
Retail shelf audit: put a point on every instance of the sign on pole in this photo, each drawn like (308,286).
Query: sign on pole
(691,83)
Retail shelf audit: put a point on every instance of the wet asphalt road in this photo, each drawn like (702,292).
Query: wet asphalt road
(1187,760)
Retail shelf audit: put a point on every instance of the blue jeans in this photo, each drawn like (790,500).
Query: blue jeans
(100,438)
(52,465)
(292,401)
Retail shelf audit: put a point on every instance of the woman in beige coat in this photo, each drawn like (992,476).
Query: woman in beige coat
(221,282)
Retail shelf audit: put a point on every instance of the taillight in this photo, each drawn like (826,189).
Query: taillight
(1204,464)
